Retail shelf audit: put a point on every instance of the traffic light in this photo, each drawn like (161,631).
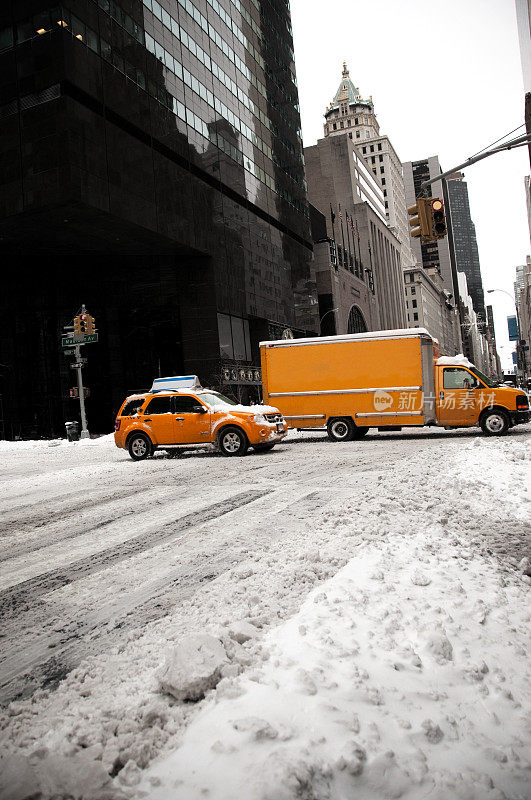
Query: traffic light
(78,324)
(87,323)
(420,219)
(438,221)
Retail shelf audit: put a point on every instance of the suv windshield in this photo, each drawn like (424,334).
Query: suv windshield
(216,399)
(490,383)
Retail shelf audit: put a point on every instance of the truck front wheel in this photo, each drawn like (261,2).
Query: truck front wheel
(340,429)
(494,422)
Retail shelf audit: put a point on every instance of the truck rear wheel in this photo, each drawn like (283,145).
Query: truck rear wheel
(340,429)
(494,422)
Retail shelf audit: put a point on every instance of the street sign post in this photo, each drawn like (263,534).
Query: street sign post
(79,338)
(83,333)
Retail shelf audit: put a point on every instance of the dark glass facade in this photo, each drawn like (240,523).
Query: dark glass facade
(151,168)
(465,245)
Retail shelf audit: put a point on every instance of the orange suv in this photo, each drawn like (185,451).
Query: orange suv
(163,420)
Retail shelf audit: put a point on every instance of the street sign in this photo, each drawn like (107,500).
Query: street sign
(79,338)
(78,364)
(69,352)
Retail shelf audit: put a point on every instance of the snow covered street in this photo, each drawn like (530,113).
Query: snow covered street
(321,621)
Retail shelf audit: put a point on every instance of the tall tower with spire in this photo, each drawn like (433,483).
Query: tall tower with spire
(350,115)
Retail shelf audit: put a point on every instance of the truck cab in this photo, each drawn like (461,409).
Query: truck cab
(464,397)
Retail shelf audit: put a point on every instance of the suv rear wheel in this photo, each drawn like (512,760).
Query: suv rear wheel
(232,441)
(139,446)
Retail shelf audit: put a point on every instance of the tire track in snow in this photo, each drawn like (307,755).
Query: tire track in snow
(30,590)
(60,647)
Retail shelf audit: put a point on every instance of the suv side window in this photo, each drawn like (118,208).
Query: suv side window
(184,403)
(159,405)
(132,406)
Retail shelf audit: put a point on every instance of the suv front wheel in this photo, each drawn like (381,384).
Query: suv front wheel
(139,446)
(232,442)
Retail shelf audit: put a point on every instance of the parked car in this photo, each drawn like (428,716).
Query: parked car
(168,418)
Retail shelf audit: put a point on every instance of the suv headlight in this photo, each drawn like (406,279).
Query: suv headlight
(259,418)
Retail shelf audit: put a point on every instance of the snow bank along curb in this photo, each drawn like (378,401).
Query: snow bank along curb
(397,678)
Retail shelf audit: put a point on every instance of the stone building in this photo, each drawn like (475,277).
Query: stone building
(358,270)
(350,113)
(428,305)
(358,259)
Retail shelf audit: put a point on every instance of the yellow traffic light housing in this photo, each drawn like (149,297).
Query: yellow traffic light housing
(78,324)
(89,323)
(420,219)
(438,220)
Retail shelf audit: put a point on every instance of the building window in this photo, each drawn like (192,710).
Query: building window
(386,204)
(366,120)
(335,126)
(372,150)
(383,181)
(380,158)
(348,123)
(355,120)
(367,134)
(364,150)
(341,124)
(413,290)
(414,303)
(385,192)
(382,170)
(350,136)
(373,160)
(379,145)
(356,322)
(358,135)
(415,317)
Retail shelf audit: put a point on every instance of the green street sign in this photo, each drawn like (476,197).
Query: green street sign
(79,338)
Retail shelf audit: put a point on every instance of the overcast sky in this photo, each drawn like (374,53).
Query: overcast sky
(446,79)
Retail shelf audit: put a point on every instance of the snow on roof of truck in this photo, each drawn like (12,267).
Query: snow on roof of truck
(454,361)
(400,333)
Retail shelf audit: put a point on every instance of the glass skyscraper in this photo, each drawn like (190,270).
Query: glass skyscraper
(152,169)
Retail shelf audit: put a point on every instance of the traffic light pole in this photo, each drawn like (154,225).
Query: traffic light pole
(84,429)
(521,141)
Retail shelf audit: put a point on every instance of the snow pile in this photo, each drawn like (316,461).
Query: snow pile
(399,677)
(459,360)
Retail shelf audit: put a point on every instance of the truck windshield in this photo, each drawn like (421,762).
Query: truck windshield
(490,383)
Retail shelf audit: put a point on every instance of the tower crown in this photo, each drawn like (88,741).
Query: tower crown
(347,92)
(349,110)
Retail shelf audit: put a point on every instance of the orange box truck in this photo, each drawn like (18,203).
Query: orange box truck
(385,380)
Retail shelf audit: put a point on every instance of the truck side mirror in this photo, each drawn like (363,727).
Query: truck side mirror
(198,410)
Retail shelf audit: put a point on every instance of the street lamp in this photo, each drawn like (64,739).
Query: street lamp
(325,315)
(518,330)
